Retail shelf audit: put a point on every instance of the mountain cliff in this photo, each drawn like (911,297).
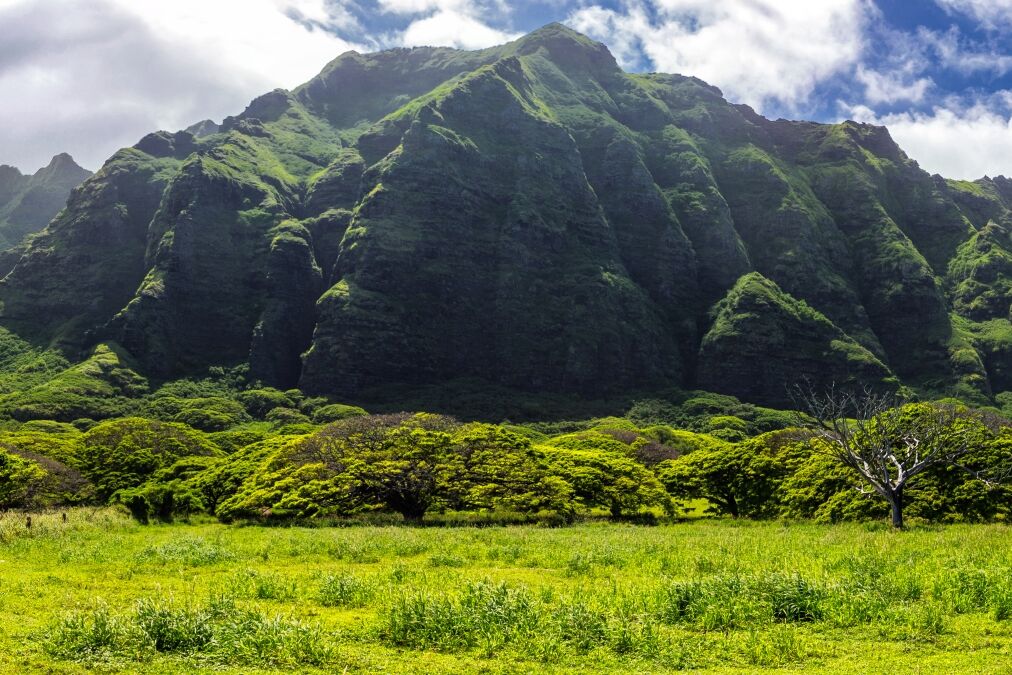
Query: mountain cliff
(529,216)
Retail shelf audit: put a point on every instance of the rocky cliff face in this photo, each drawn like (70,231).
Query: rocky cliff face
(531,216)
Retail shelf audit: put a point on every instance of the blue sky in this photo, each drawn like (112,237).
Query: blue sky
(89,76)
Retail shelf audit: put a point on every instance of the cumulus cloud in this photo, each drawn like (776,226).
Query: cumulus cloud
(953,140)
(448,28)
(757,51)
(88,76)
(450,23)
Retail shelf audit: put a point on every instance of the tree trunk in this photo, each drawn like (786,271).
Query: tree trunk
(732,506)
(413,512)
(896,507)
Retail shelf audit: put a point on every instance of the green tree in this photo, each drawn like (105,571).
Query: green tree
(408,464)
(19,478)
(123,453)
(740,479)
(607,479)
(895,448)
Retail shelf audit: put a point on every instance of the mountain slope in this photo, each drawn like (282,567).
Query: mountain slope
(531,216)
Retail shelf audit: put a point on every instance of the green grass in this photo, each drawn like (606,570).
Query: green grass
(100,593)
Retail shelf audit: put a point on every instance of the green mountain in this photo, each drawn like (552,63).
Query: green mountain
(28,203)
(532,217)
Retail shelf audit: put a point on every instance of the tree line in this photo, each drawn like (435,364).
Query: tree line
(850,456)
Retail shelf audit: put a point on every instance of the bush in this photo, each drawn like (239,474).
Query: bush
(259,402)
(336,412)
(282,416)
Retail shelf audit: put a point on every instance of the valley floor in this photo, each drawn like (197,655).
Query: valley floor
(99,593)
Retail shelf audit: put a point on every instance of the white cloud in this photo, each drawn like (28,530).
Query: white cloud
(330,15)
(423,6)
(448,28)
(464,24)
(991,14)
(757,51)
(954,141)
(891,86)
(620,31)
(89,76)
(953,53)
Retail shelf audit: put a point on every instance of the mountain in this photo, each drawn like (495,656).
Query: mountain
(28,203)
(532,217)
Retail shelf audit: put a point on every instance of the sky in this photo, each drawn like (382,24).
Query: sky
(90,76)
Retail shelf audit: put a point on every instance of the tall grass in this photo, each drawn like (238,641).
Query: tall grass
(597,598)
(219,630)
(14,525)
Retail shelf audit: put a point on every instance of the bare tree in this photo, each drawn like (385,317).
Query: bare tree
(887,445)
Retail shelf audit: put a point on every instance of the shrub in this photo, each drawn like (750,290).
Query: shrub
(336,412)
(283,416)
(259,402)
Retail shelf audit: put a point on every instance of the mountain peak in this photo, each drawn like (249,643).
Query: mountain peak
(62,162)
(8,172)
(203,128)
(62,167)
(567,48)
(555,29)
(557,34)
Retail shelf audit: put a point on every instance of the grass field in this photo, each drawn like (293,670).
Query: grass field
(102,594)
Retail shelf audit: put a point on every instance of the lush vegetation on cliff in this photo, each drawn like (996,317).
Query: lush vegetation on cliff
(527,217)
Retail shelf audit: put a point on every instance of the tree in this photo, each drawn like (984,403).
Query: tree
(124,453)
(607,479)
(404,463)
(738,479)
(18,478)
(891,445)
(170,492)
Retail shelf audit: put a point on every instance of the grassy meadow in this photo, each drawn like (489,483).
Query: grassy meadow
(101,593)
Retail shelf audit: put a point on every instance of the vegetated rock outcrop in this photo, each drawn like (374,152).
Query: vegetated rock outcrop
(532,216)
